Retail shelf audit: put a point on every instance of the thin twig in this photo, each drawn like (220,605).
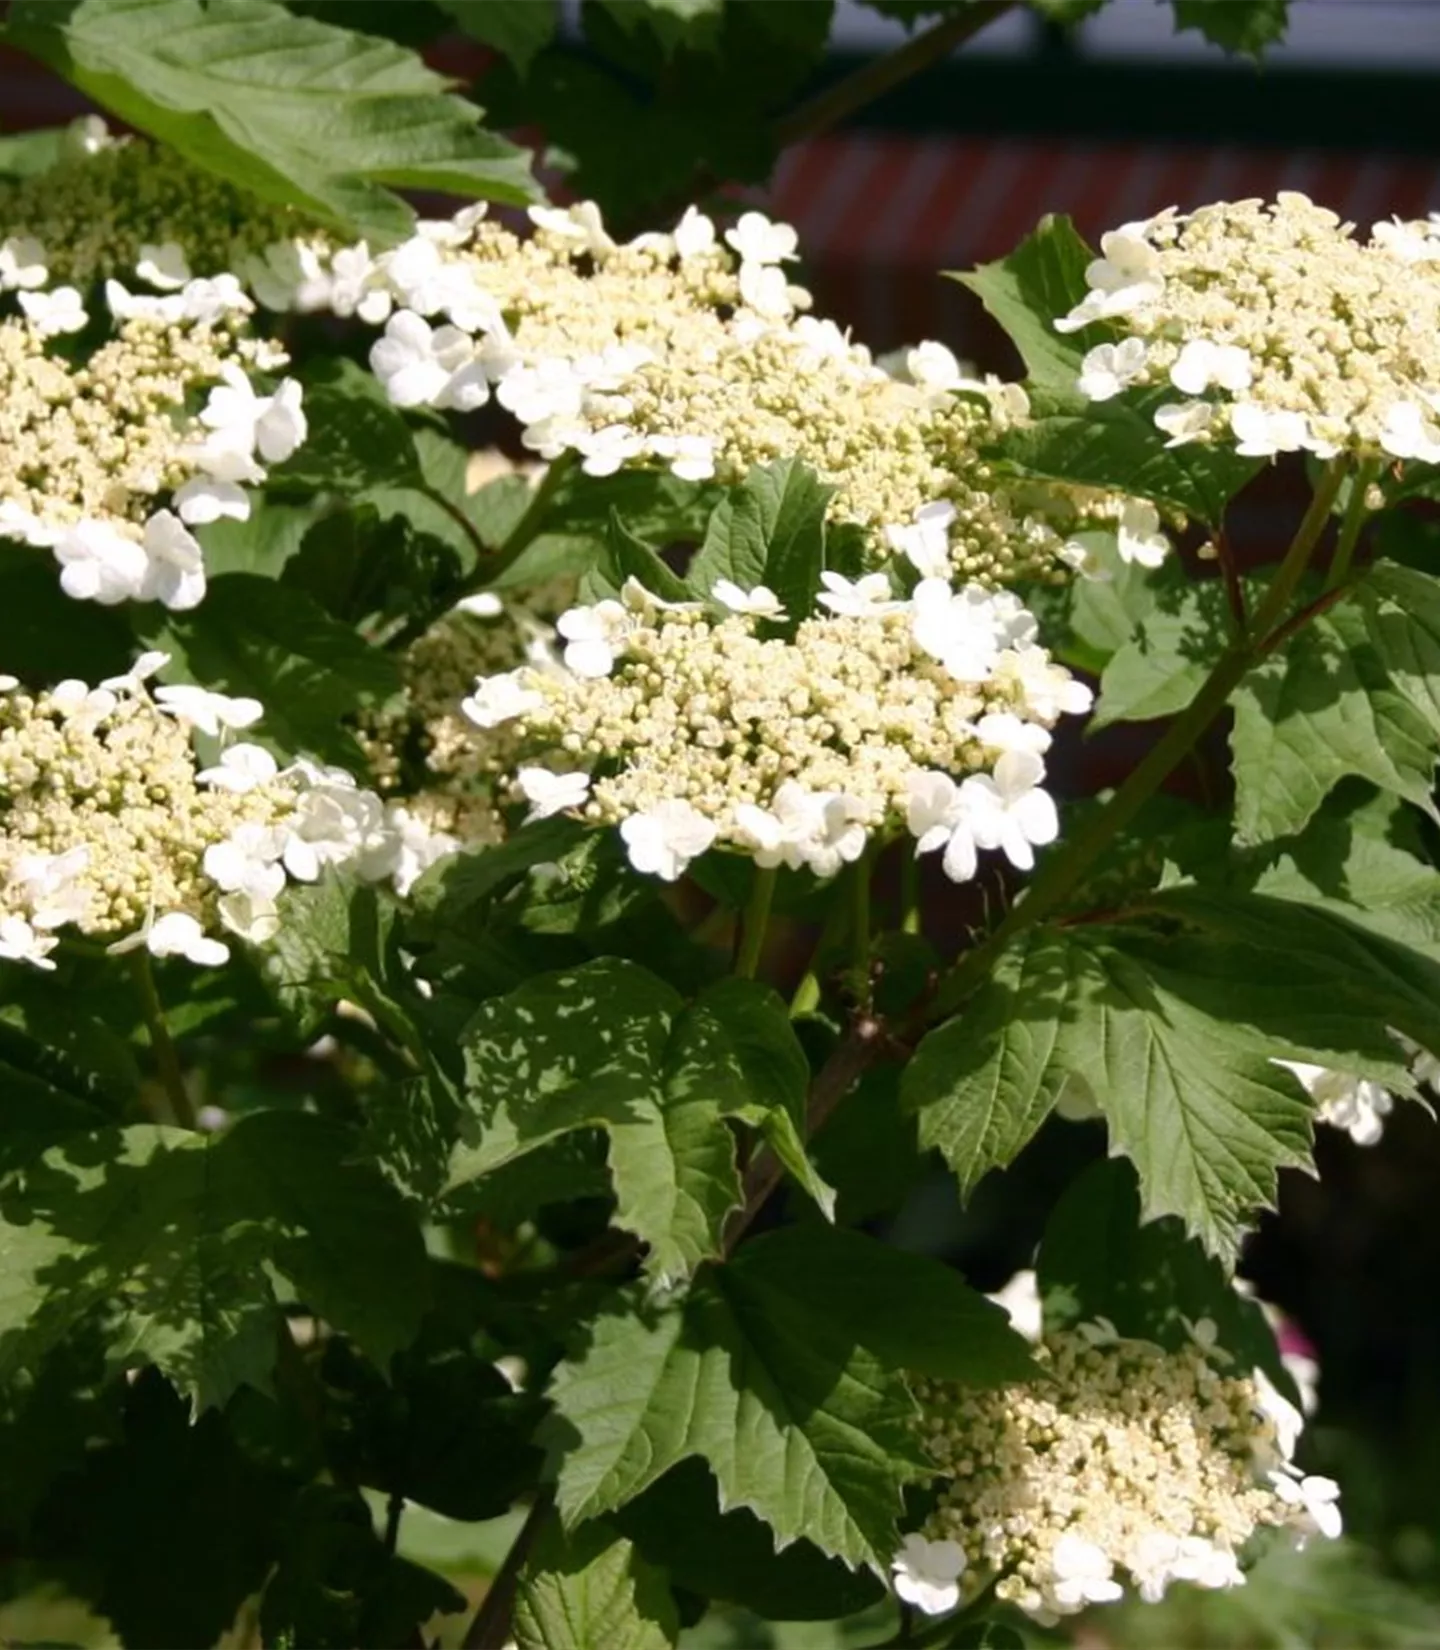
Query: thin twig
(167,1060)
(490,1628)
(861,1046)
(828,108)
(1234,590)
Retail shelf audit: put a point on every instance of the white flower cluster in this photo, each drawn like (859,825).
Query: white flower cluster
(702,732)
(1127,1464)
(1278,329)
(691,351)
(109,825)
(99,461)
(1359,1105)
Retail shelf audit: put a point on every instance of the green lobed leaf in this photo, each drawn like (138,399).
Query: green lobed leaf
(46,635)
(1098,1259)
(588,1587)
(770,530)
(609,1045)
(1247,26)
(807,1430)
(176,1233)
(1163,663)
(150,1500)
(1173,1033)
(255,637)
(1348,864)
(300,111)
(518,28)
(336,1586)
(1354,692)
(627,557)
(354,438)
(730,1556)
(451,889)
(1044,277)
(982,1084)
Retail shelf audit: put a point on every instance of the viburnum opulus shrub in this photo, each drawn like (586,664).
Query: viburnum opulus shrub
(479,977)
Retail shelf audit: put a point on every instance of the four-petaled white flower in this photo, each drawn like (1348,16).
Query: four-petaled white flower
(174,564)
(662,840)
(933,368)
(1359,1105)
(759,241)
(203,499)
(608,449)
(869,597)
(580,224)
(206,710)
(500,698)
(421,365)
(1009,811)
(1285,1421)
(1139,537)
(690,457)
(1021,1300)
(22,263)
(1260,432)
(927,1574)
(1109,368)
(965,630)
(764,289)
(51,313)
(1411,431)
(98,563)
(592,635)
(1316,1504)
(54,896)
(241,769)
(164,266)
(242,423)
(694,234)
(925,542)
(1202,363)
(176,934)
(19,942)
(551,793)
(839,836)
(1184,421)
(248,862)
(1080,1573)
(1121,281)
(936,816)
(761,602)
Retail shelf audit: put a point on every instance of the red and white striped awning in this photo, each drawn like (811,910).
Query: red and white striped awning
(880,215)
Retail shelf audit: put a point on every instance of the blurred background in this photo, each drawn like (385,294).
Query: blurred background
(1112,120)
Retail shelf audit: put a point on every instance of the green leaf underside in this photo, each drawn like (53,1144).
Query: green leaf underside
(176,1232)
(301,112)
(610,1046)
(1114,443)
(591,1587)
(1353,693)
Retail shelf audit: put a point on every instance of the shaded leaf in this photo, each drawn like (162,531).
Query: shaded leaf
(254,637)
(797,1423)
